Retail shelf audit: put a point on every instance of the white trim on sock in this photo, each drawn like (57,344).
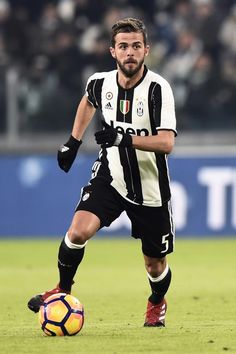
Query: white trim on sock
(160,277)
(73,245)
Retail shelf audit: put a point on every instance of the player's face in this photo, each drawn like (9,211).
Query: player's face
(129,52)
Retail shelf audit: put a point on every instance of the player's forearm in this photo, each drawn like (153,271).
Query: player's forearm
(83,117)
(162,143)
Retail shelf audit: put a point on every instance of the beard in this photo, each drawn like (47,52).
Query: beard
(129,71)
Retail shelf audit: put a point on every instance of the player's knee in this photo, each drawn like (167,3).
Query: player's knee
(78,236)
(155,268)
(154,273)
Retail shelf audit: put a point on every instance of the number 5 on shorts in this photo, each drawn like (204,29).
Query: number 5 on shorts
(165,242)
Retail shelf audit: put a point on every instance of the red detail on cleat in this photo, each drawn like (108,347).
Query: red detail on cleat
(56,290)
(36,301)
(155,315)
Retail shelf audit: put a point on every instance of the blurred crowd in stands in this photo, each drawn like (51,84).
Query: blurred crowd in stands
(53,46)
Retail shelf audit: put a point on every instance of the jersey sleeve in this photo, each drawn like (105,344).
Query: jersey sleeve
(90,91)
(166,118)
(93,89)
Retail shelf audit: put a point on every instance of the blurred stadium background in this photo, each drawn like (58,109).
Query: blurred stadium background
(47,51)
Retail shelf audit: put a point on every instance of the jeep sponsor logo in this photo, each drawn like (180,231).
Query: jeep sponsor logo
(131,131)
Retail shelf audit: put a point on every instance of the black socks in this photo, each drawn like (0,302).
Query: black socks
(159,287)
(68,262)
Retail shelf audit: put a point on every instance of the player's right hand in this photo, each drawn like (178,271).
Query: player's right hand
(67,153)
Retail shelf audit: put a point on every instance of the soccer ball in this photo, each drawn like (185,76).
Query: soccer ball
(61,315)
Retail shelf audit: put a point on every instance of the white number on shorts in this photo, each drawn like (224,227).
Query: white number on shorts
(165,242)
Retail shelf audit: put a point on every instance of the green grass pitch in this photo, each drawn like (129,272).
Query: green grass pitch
(113,287)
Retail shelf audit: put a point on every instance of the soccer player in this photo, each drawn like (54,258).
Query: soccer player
(131,172)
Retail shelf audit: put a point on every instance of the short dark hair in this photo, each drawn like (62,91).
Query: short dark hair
(128,25)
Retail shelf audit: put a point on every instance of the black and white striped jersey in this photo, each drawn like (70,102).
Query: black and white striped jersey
(140,176)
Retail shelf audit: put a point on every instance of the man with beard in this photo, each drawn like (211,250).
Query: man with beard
(131,172)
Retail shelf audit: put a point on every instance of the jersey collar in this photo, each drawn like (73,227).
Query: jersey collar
(137,83)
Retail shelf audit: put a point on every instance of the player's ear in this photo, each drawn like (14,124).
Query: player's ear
(147,48)
(112,51)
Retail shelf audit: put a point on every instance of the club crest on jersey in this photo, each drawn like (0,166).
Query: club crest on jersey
(124,106)
(140,108)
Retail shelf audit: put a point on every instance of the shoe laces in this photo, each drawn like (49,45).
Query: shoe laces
(156,312)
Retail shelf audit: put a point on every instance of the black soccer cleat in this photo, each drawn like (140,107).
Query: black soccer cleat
(36,301)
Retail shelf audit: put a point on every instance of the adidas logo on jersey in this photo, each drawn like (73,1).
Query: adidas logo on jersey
(108,106)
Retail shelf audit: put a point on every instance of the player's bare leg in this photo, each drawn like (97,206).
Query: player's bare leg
(71,252)
(159,276)
(84,225)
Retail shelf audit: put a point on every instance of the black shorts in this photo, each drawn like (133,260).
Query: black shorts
(153,225)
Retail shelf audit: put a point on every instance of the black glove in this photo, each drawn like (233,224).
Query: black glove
(110,137)
(67,153)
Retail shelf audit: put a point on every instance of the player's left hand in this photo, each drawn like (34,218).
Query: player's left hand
(110,137)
